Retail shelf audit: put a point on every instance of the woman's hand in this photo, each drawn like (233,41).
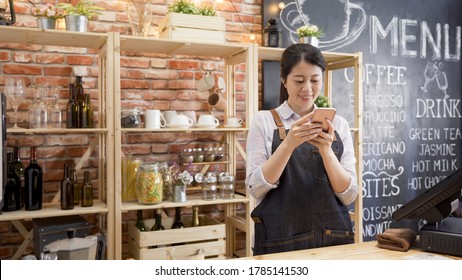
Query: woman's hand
(303,131)
(324,139)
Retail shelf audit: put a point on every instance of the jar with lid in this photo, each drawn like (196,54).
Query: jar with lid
(167,178)
(226,186)
(209,155)
(198,179)
(198,155)
(186,156)
(219,155)
(209,189)
(130,118)
(149,184)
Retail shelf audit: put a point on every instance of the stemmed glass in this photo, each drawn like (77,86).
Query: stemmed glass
(14,88)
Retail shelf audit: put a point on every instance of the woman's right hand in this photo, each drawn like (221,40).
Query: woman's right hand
(302,130)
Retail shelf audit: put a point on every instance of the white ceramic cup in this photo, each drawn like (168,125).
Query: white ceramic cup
(153,119)
(168,116)
(205,83)
(234,122)
(191,115)
(182,119)
(208,119)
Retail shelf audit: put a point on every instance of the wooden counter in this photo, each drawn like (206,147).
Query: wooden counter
(356,251)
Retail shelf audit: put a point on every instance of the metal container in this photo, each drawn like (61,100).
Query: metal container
(46,23)
(76,23)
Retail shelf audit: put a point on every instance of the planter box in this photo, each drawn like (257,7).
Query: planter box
(153,245)
(176,26)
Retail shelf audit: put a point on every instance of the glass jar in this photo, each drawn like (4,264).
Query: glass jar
(226,186)
(198,155)
(209,155)
(149,184)
(130,118)
(219,155)
(209,189)
(167,178)
(130,167)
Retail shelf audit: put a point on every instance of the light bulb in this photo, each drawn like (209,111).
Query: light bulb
(252,37)
(281,5)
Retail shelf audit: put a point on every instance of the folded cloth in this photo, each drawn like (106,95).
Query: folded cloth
(398,239)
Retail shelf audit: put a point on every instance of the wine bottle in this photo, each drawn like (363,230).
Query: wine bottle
(87,113)
(19,169)
(12,196)
(177,223)
(72,109)
(87,190)
(33,183)
(76,186)
(158,224)
(195,217)
(67,190)
(80,98)
(139,221)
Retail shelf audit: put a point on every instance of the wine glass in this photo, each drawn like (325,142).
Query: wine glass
(430,73)
(51,96)
(442,82)
(14,88)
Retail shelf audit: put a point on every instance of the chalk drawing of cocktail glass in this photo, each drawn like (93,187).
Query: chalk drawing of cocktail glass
(442,82)
(430,74)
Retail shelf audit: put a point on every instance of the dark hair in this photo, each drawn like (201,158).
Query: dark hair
(293,55)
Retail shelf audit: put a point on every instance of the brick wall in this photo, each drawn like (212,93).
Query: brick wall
(147,82)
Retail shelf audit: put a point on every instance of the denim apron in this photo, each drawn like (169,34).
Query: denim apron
(303,211)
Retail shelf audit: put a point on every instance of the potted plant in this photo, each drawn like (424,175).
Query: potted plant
(322,102)
(77,15)
(186,21)
(309,34)
(46,15)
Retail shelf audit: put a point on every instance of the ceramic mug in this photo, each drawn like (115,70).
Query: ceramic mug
(153,119)
(168,116)
(191,115)
(217,101)
(205,83)
(182,119)
(234,122)
(208,119)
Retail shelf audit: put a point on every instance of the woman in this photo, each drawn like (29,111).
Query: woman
(301,176)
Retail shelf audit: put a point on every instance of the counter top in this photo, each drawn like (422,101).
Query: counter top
(356,251)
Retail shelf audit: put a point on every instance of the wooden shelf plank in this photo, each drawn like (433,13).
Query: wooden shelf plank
(53,210)
(175,47)
(192,201)
(51,37)
(266,53)
(220,129)
(56,130)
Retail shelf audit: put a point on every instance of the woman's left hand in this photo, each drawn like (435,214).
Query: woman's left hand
(324,139)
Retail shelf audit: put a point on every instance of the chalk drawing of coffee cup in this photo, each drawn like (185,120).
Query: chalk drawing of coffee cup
(350,19)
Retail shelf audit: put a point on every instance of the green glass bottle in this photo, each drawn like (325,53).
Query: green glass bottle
(87,191)
(87,113)
(19,169)
(80,98)
(195,217)
(177,223)
(72,109)
(67,191)
(139,221)
(77,187)
(158,224)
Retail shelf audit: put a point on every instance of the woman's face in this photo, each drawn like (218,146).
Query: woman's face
(304,84)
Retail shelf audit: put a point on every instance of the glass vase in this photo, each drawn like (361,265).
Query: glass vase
(140,14)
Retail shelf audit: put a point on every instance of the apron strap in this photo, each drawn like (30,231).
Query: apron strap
(279,124)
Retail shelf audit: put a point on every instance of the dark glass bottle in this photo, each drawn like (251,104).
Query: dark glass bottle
(72,109)
(76,186)
(67,190)
(139,221)
(12,195)
(87,190)
(79,97)
(177,223)
(19,168)
(33,183)
(195,217)
(158,224)
(87,113)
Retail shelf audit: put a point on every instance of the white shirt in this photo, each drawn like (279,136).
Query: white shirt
(259,149)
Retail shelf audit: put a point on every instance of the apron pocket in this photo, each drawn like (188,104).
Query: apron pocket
(296,242)
(336,237)
(320,173)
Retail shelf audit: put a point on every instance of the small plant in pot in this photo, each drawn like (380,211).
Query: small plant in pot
(77,15)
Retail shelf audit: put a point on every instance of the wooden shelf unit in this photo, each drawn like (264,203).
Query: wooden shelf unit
(102,43)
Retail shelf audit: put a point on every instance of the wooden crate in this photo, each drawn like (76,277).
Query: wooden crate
(176,26)
(153,245)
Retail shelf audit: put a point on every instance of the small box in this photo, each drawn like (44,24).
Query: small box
(47,230)
(177,26)
(153,245)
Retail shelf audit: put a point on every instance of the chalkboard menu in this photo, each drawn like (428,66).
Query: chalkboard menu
(412,117)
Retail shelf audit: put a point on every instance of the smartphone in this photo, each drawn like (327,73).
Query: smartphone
(321,114)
